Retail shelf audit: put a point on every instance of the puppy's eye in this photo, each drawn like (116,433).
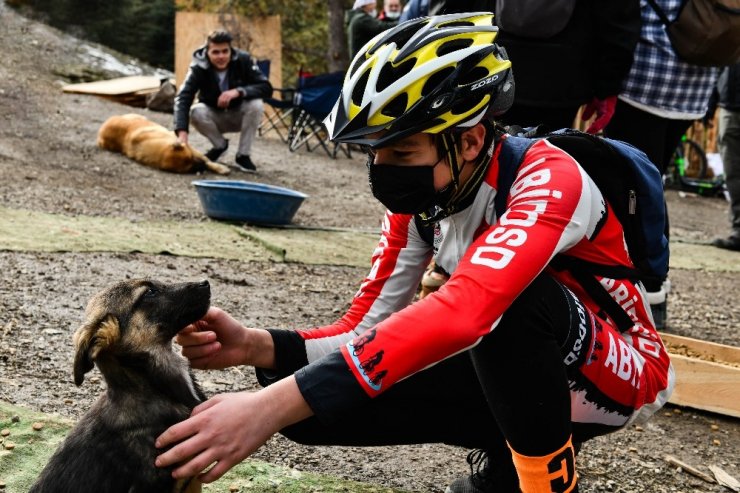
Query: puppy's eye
(151,291)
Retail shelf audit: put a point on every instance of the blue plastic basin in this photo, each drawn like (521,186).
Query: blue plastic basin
(247,201)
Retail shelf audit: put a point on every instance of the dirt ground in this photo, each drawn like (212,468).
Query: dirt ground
(49,162)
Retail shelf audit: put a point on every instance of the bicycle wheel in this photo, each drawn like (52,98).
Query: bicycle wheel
(694,160)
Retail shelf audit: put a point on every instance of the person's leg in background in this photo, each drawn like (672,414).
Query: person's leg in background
(251,117)
(729,147)
(208,122)
(656,136)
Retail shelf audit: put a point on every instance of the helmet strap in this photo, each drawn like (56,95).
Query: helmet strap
(457,197)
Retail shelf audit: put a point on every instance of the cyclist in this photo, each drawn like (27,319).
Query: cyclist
(509,356)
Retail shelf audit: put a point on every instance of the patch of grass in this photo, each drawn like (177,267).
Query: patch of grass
(20,465)
(31,449)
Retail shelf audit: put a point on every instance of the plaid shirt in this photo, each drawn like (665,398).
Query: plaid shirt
(658,78)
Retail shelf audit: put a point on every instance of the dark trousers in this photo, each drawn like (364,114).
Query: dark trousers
(655,136)
(512,387)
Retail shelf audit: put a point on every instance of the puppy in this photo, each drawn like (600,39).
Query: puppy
(153,145)
(128,334)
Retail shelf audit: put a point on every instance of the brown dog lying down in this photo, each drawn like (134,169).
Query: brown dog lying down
(151,144)
(128,334)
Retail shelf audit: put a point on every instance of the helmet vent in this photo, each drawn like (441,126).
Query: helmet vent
(357,64)
(448,25)
(466,105)
(390,74)
(396,107)
(436,80)
(474,75)
(454,45)
(402,37)
(359,89)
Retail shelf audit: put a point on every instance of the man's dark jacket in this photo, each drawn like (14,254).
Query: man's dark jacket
(243,75)
(362,27)
(590,57)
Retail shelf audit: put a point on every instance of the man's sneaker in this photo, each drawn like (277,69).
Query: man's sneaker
(245,164)
(215,152)
(729,243)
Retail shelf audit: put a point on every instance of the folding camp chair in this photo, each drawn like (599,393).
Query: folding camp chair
(279,111)
(313,100)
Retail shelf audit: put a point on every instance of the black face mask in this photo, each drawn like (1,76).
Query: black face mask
(403,189)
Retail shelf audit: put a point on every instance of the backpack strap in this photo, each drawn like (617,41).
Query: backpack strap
(426,230)
(513,149)
(660,12)
(510,158)
(583,273)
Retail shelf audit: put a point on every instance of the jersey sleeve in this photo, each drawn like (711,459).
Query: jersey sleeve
(398,264)
(549,209)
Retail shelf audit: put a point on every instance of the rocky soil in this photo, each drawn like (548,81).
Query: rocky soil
(49,162)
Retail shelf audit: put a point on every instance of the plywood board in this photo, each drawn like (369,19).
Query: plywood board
(116,87)
(707,374)
(707,386)
(260,36)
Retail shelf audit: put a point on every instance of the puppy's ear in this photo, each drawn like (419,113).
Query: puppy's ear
(93,337)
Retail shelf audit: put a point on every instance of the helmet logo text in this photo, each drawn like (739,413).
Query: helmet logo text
(484,82)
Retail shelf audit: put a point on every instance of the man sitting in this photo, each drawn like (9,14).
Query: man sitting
(230,90)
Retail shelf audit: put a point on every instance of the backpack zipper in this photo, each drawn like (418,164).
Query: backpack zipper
(632,202)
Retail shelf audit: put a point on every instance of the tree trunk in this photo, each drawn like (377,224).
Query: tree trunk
(337,55)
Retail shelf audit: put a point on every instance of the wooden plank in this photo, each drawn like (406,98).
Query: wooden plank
(260,36)
(707,374)
(115,87)
(711,351)
(706,385)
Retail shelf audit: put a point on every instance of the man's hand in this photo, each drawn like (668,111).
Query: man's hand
(219,341)
(225,98)
(228,428)
(604,110)
(182,136)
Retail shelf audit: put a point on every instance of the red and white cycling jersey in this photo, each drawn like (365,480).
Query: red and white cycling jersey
(553,207)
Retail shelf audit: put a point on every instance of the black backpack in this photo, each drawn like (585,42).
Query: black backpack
(632,186)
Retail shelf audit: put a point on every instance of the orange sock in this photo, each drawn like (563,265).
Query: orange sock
(552,473)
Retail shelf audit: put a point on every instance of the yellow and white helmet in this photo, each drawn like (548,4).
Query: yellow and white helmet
(431,74)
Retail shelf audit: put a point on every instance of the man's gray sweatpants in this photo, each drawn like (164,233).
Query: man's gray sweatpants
(214,122)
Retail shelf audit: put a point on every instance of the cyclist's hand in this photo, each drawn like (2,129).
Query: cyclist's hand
(603,109)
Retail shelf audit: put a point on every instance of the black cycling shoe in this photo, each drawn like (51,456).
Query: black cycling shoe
(480,479)
(729,243)
(244,163)
(485,479)
(215,152)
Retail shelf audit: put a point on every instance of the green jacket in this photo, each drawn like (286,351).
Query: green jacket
(361,28)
